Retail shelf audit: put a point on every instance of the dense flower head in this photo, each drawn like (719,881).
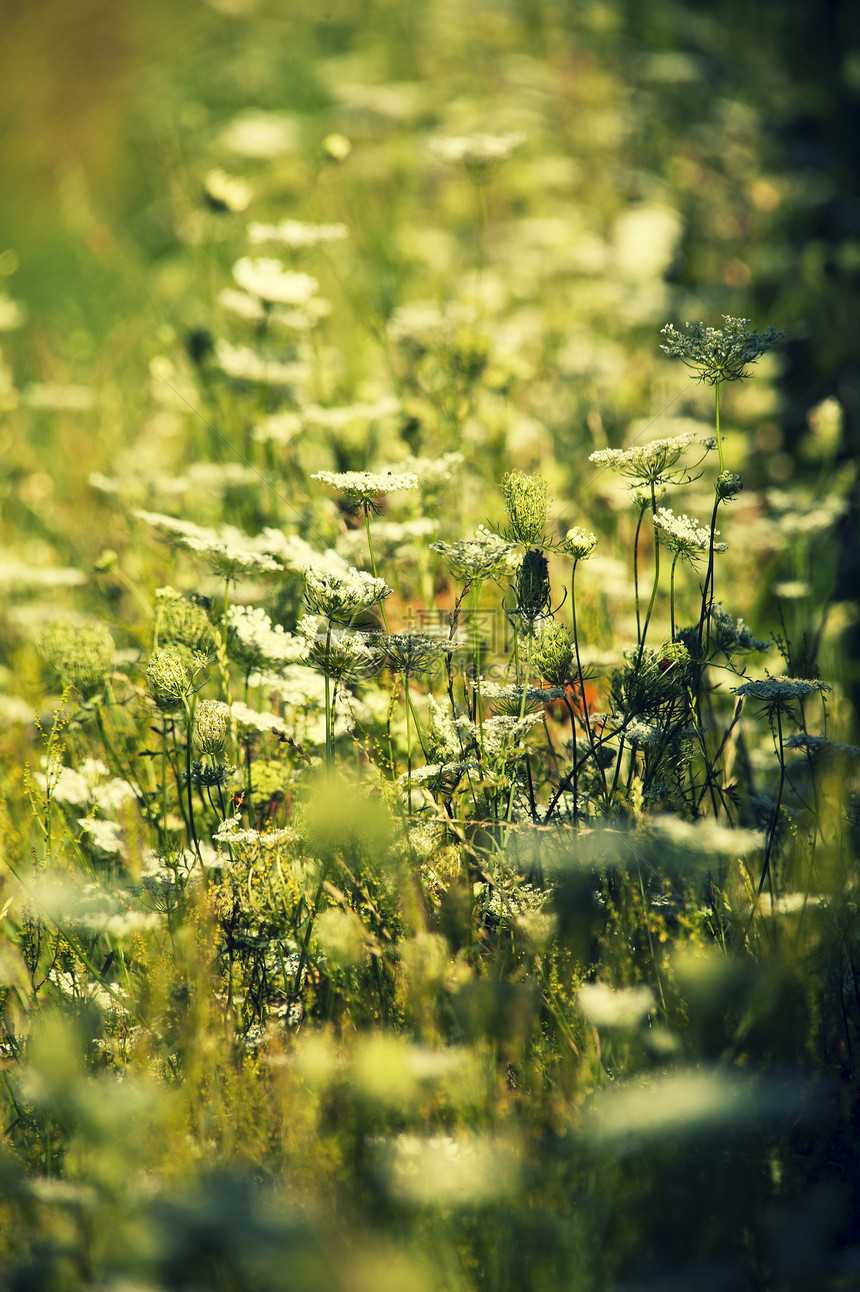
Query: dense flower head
(525,501)
(579,543)
(295,234)
(780,690)
(225,192)
(410,653)
(341,597)
(655,463)
(229,554)
(729,485)
(272,282)
(719,354)
(81,654)
(683,536)
(341,653)
(211,724)
(362,488)
(477,153)
(256,643)
(486,556)
(170,677)
(533,589)
(182,621)
(552,654)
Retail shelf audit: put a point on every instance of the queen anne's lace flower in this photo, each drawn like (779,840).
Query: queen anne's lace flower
(719,354)
(256,643)
(486,556)
(271,282)
(683,536)
(226,193)
(362,488)
(295,234)
(654,463)
(477,153)
(341,597)
(780,690)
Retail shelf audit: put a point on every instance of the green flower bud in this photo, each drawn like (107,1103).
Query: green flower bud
(81,655)
(169,680)
(552,655)
(728,486)
(579,543)
(210,726)
(525,500)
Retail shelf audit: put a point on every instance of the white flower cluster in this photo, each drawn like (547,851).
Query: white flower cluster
(434,472)
(244,364)
(258,643)
(364,486)
(780,689)
(652,463)
(230,552)
(248,719)
(476,152)
(510,698)
(821,746)
(229,832)
(271,282)
(579,543)
(684,536)
(341,597)
(341,653)
(486,556)
(604,1006)
(295,234)
(226,192)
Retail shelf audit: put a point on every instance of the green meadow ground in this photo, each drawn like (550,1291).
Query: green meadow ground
(428,797)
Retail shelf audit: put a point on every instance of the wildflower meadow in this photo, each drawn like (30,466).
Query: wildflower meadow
(429,812)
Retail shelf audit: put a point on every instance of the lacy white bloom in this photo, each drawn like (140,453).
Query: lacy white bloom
(486,556)
(821,747)
(704,837)
(341,597)
(579,543)
(226,193)
(339,652)
(278,428)
(54,395)
(255,642)
(719,354)
(603,1006)
(347,414)
(477,153)
(104,836)
(433,472)
(509,699)
(652,463)
(295,234)
(244,364)
(390,538)
(780,689)
(257,133)
(364,487)
(18,576)
(248,719)
(271,281)
(229,831)
(230,553)
(295,554)
(684,536)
